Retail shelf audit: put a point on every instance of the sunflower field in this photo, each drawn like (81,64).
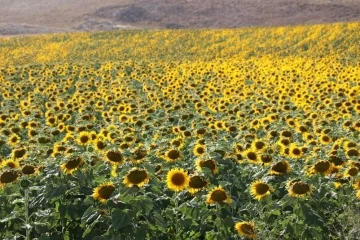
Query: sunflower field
(247,133)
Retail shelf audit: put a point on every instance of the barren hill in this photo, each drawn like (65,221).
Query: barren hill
(46,16)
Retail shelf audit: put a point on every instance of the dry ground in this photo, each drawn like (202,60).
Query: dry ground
(46,16)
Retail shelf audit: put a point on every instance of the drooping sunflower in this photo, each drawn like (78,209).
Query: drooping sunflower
(199,150)
(177,179)
(280,168)
(260,190)
(197,183)
(299,189)
(103,192)
(28,169)
(71,165)
(114,157)
(323,167)
(172,155)
(246,229)
(135,176)
(210,164)
(218,195)
(351,172)
(84,138)
(8,177)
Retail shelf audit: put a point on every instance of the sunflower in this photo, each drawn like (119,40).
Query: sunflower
(295,151)
(135,176)
(246,229)
(84,138)
(71,165)
(352,152)
(11,164)
(199,150)
(356,184)
(323,167)
(8,177)
(325,139)
(351,172)
(177,179)
(13,139)
(103,192)
(260,190)
(280,168)
(172,155)
(218,195)
(266,159)
(139,154)
(114,157)
(99,144)
(177,142)
(297,188)
(210,164)
(252,156)
(197,183)
(28,170)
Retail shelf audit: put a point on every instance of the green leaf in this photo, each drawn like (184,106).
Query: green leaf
(90,215)
(160,221)
(212,235)
(122,218)
(56,192)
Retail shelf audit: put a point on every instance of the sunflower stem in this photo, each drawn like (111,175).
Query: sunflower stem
(27,219)
(176,211)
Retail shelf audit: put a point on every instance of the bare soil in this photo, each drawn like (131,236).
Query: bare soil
(49,16)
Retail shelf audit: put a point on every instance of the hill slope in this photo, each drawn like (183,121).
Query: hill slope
(46,16)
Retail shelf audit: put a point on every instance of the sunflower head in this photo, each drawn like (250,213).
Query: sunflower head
(8,177)
(172,155)
(323,167)
(135,176)
(197,183)
(103,192)
(260,190)
(177,179)
(299,189)
(246,229)
(210,164)
(114,157)
(84,138)
(71,165)
(199,150)
(218,195)
(280,168)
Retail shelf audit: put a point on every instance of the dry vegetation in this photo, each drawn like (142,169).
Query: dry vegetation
(46,16)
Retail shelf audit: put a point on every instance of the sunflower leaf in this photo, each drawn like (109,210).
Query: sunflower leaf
(122,218)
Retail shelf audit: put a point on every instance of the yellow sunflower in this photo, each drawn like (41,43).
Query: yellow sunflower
(172,155)
(356,184)
(323,167)
(295,151)
(84,138)
(298,189)
(71,165)
(177,179)
(103,192)
(13,139)
(135,176)
(246,229)
(218,195)
(199,150)
(260,190)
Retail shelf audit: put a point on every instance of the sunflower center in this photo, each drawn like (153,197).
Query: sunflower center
(296,151)
(176,143)
(8,177)
(247,229)
(197,182)
(19,153)
(173,154)
(178,179)
(259,145)
(27,170)
(137,176)
(84,139)
(11,165)
(106,191)
(279,167)
(100,145)
(140,154)
(300,188)
(218,196)
(261,188)
(353,153)
(322,166)
(72,164)
(266,158)
(201,131)
(353,171)
(114,156)
(251,156)
(200,150)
